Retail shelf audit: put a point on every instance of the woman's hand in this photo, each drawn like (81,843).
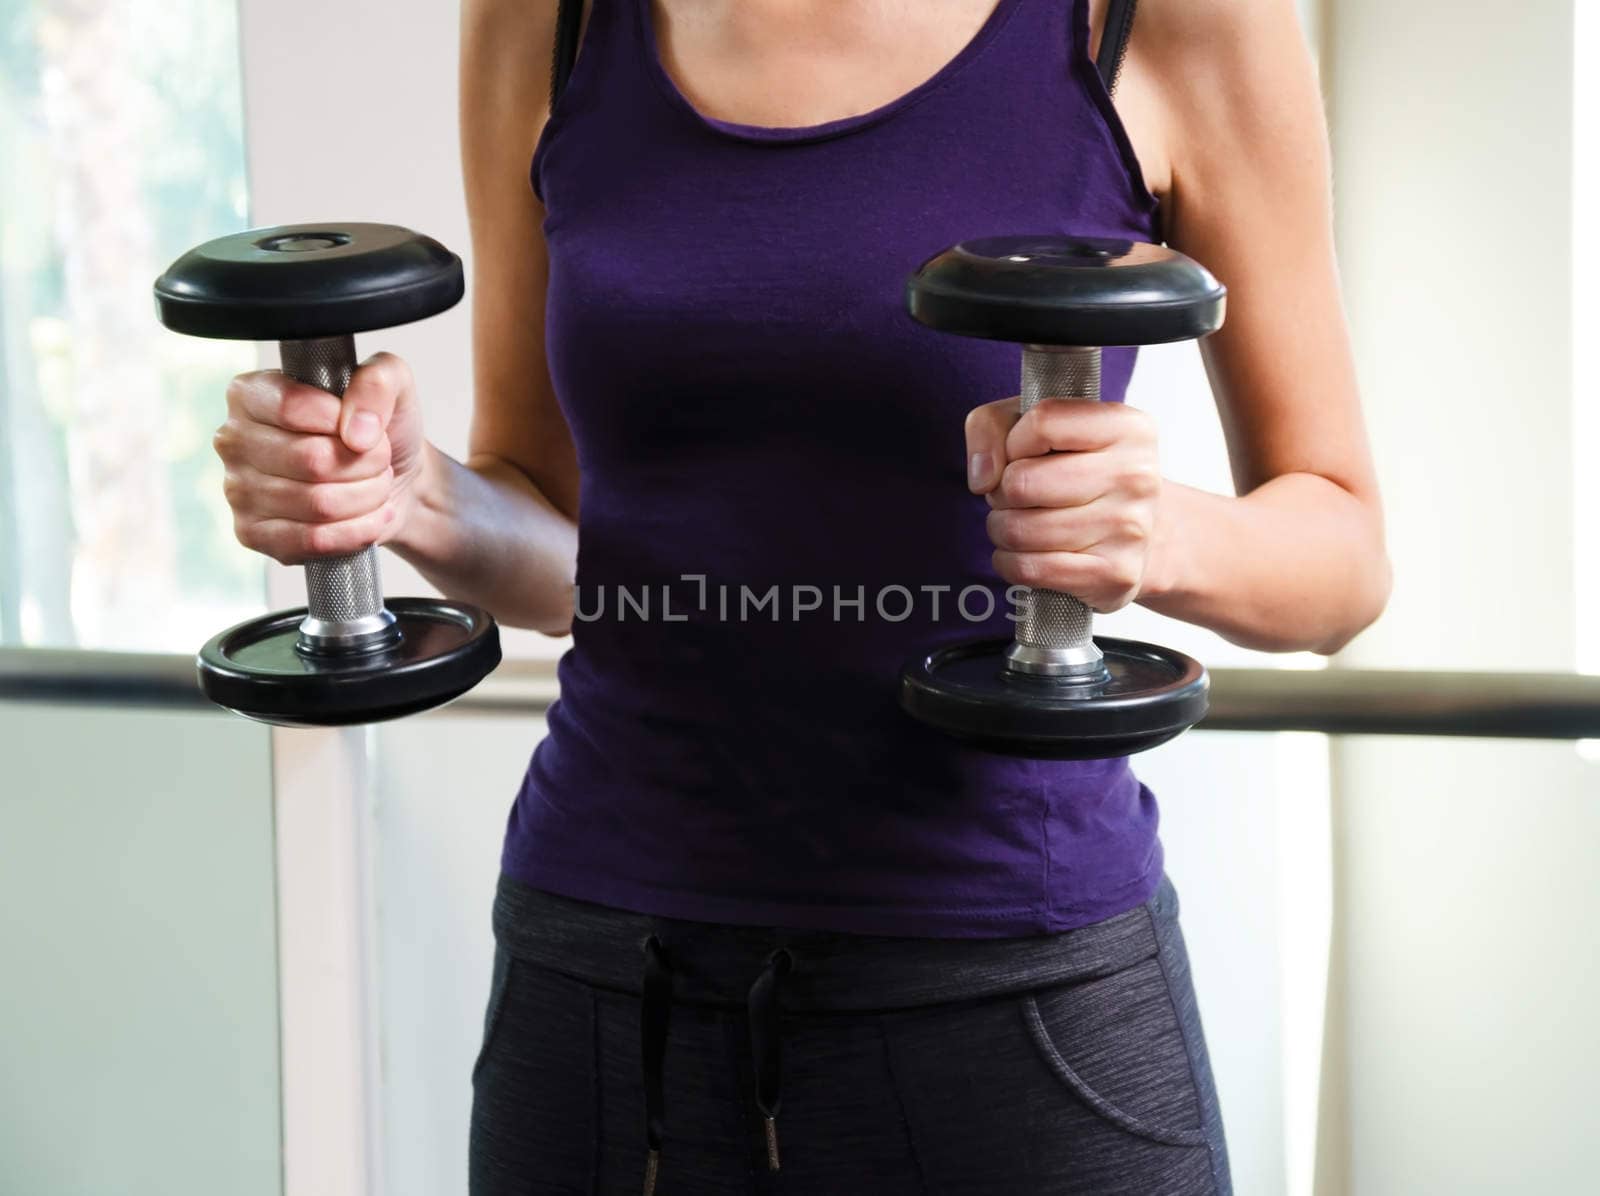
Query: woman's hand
(1075,491)
(309,475)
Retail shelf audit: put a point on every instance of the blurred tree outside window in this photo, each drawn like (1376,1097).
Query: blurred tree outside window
(120,147)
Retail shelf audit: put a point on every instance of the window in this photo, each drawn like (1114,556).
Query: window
(121,145)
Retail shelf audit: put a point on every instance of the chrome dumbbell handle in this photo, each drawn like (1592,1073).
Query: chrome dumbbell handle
(1055,631)
(344,594)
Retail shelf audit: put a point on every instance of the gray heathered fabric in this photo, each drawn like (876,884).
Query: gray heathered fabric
(1060,1064)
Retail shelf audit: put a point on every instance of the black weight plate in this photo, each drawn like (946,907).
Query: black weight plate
(1153,694)
(1055,290)
(445,649)
(298,281)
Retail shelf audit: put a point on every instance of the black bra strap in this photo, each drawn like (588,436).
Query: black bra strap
(1114,40)
(569,18)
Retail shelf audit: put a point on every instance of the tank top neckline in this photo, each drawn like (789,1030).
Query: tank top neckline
(795,134)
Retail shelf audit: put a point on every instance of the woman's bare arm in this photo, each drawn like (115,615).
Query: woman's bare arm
(500,530)
(1222,101)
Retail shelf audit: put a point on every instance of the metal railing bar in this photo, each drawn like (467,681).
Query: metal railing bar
(1331,701)
(147,680)
(1406,702)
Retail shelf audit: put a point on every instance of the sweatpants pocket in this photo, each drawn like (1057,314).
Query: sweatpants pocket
(1116,1044)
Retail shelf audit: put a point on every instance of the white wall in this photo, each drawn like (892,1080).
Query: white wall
(1586,315)
(445,783)
(1465,870)
(138,981)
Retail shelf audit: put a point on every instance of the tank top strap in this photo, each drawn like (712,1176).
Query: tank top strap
(596,63)
(1046,56)
(1045,43)
(612,31)
(569,23)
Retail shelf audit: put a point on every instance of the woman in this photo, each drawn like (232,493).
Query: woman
(757,929)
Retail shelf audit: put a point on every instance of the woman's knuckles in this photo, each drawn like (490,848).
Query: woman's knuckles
(236,490)
(329,502)
(388,375)
(1001,527)
(1021,568)
(323,539)
(306,409)
(339,539)
(991,421)
(325,502)
(1063,479)
(1121,575)
(1140,477)
(264,505)
(327,459)
(247,532)
(1132,527)
(1106,581)
(225,442)
(245,390)
(315,458)
(296,543)
(1017,484)
(1099,527)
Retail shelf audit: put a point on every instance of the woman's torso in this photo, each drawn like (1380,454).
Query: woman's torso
(773,513)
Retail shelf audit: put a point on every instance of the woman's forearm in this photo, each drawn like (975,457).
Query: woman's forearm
(483,533)
(1298,564)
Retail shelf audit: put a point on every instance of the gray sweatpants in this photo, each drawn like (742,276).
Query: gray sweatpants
(624,1052)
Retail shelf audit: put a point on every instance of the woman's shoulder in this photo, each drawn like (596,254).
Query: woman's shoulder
(507,45)
(505,68)
(1208,85)
(1189,18)
(1216,46)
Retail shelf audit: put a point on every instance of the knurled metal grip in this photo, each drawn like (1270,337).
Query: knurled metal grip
(1055,632)
(344,596)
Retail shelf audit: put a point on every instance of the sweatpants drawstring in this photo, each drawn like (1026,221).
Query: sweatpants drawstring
(765,1044)
(765,1047)
(654,1014)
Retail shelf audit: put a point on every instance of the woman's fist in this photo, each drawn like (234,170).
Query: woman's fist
(311,475)
(1074,487)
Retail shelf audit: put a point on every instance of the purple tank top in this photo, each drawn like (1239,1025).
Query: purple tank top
(773,514)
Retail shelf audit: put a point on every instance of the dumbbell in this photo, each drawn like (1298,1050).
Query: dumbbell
(1056,690)
(347,656)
